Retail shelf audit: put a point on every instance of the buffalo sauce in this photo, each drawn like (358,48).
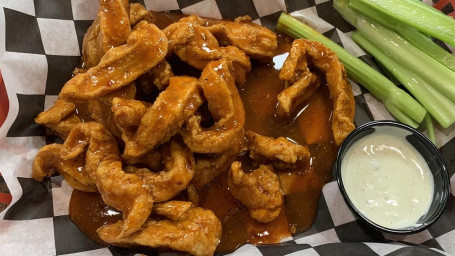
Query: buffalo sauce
(309,125)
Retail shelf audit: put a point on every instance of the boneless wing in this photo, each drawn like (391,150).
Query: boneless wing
(226,109)
(187,228)
(166,116)
(281,152)
(177,174)
(296,66)
(258,190)
(123,191)
(48,161)
(193,43)
(110,29)
(60,118)
(210,166)
(146,47)
(256,41)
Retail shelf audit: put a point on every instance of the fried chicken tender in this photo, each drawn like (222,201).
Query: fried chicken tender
(294,95)
(59,118)
(123,191)
(195,45)
(179,170)
(161,75)
(256,41)
(91,51)
(110,29)
(187,228)
(73,171)
(210,166)
(226,108)
(138,13)
(100,109)
(166,116)
(258,190)
(326,61)
(146,47)
(281,152)
(150,160)
(128,113)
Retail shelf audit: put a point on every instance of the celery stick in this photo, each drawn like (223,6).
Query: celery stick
(407,109)
(417,15)
(423,42)
(399,115)
(440,107)
(430,128)
(401,50)
(436,74)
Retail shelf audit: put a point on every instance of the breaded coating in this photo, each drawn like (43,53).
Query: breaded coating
(281,152)
(301,90)
(110,29)
(256,41)
(138,13)
(210,166)
(258,190)
(166,116)
(146,47)
(59,118)
(196,45)
(48,161)
(326,61)
(128,113)
(100,109)
(226,108)
(161,75)
(187,228)
(178,171)
(123,191)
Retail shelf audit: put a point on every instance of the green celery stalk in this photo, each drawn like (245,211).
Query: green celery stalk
(405,108)
(400,115)
(430,128)
(401,50)
(416,14)
(436,103)
(436,74)
(419,40)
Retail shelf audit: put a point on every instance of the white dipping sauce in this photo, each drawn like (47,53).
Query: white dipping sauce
(387,179)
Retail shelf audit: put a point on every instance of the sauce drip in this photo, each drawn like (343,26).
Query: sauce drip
(309,125)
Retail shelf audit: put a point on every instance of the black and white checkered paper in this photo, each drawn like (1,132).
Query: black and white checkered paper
(40,45)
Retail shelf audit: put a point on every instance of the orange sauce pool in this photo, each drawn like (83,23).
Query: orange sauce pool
(309,125)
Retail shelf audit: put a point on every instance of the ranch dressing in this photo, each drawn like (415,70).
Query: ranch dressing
(387,179)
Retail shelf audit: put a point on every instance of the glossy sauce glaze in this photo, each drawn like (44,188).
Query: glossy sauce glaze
(387,179)
(309,125)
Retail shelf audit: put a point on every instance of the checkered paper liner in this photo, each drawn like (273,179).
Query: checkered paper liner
(40,45)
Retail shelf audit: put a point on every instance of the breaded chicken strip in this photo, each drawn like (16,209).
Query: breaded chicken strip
(178,171)
(60,118)
(281,152)
(164,118)
(48,161)
(187,228)
(296,67)
(226,109)
(146,47)
(110,29)
(258,190)
(256,41)
(196,45)
(123,191)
